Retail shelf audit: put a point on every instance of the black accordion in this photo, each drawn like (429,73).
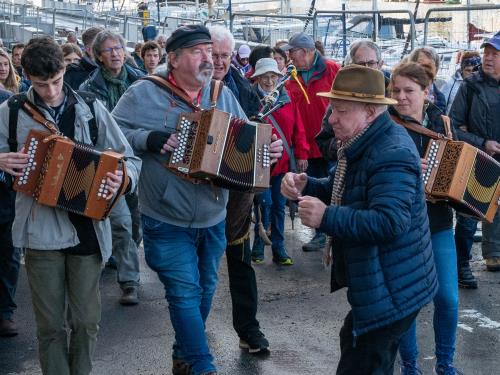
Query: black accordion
(228,151)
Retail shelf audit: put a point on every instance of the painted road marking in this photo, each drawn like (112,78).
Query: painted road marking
(475,318)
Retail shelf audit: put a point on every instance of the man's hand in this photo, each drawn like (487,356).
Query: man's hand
(13,162)
(162,142)
(275,149)
(293,184)
(302,165)
(311,211)
(114,181)
(424,165)
(492,147)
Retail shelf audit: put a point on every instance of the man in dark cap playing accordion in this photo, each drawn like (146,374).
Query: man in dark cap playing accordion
(183,222)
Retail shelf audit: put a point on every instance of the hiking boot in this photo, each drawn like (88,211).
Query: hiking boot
(255,342)
(8,328)
(409,368)
(317,243)
(129,296)
(493,264)
(446,370)
(466,279)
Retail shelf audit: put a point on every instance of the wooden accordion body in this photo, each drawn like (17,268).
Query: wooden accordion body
(231,152)
(465,175)
(68,175)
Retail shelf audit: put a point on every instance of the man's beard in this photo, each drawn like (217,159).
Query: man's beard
(206,72)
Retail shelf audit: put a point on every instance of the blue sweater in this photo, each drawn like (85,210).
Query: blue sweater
(382,247)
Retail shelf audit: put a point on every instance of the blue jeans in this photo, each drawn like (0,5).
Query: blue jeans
(445,304)
(272,209)
(464,238)
(186,260)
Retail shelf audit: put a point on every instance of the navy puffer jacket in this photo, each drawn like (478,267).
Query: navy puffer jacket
(382,247)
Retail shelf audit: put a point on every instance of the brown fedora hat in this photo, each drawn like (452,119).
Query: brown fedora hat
(358,83)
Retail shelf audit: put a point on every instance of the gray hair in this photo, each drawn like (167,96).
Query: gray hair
(365,43)
(101,38)
(221,34)
(428,51)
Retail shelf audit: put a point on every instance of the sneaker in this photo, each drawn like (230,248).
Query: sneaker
(255,342)
(493,264)
(180,367)
(466,279)
(317,243)
(129,296)
(285,261)
(8,328)
(446,370)
(409,368)
(257,260)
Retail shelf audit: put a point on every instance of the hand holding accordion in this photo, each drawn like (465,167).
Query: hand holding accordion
(228,151)
(71,176)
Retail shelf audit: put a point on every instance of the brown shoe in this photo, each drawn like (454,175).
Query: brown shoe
(8,328)
(493,264)
(129,296)
(180,367)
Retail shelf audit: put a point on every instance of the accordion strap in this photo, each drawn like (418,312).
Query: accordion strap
(420,129)
(215,89)
(36,115)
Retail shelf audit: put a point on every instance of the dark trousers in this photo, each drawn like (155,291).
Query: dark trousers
(243,288)
(374,352)
(9,271)
(464,238)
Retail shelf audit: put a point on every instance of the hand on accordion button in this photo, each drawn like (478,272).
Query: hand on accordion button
(275,149)
(113,182)
(14,162)
(424,165)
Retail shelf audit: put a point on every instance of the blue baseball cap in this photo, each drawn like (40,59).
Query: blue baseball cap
(494,41)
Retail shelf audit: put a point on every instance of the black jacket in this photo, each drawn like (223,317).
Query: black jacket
(440,213)
(77,73)
(7,195)
(246,94)
(471,110)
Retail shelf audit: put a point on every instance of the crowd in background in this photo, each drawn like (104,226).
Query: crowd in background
(99,69)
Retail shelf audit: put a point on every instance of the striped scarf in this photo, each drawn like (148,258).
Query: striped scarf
(338,187)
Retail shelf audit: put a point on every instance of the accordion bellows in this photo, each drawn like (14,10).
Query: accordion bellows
(231,152)
(68,175)
(464,175)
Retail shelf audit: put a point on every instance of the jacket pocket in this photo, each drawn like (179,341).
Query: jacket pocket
(179,200)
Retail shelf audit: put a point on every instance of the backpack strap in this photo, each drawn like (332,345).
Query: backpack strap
(89,99)
(15,102)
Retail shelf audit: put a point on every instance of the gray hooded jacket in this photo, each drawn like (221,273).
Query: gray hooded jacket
(166,197)
(46,228)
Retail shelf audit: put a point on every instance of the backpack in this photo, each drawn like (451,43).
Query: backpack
(15,103)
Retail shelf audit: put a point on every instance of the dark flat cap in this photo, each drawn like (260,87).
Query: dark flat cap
(188,36)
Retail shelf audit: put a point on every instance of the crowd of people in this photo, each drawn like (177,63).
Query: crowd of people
(347,150)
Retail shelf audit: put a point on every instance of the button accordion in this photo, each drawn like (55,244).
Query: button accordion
(69,175)
(464,175)
(230,152)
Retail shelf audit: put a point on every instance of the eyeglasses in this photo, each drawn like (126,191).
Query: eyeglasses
(369,64)
(223,56)
(110,50)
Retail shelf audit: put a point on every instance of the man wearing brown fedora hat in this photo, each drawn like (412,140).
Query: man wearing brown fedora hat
(374,212)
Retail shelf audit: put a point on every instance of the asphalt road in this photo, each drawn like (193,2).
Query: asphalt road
(297,313)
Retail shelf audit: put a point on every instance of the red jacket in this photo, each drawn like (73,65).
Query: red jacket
(312,114)
(290,122)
